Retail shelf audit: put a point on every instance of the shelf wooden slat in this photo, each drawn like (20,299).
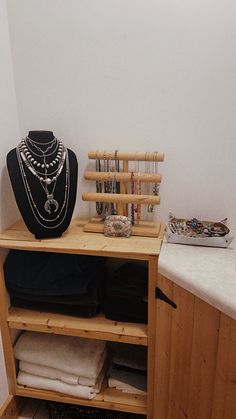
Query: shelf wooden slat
(76,241)
(96,328)
(106,399)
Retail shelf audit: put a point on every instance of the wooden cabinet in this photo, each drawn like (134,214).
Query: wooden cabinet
(12,318)
(191,350)
(195,375)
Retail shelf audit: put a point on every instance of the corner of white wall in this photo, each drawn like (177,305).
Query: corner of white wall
(9,131)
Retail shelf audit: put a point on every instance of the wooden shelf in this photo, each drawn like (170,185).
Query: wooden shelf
(76,241)
(107,399)
(96,328)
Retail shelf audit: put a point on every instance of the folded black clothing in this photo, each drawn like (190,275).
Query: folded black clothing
(125,310)
(129,281)
(87,311)
(93,296)
(43,273)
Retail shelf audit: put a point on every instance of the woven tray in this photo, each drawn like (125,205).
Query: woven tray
(197,232)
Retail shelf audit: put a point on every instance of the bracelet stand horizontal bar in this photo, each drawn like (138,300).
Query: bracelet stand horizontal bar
(126,177)
(121,198)
(138,156)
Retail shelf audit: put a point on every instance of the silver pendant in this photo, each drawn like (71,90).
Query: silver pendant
(51,202)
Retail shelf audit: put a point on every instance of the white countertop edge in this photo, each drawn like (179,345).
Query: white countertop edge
(208,273)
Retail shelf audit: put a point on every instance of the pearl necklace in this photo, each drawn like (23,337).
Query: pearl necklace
(50,202)
(29,154)
(33,165)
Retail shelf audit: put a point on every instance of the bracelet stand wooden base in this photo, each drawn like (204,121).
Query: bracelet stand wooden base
(122,199)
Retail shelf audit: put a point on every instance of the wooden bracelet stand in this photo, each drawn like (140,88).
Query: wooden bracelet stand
(123,198)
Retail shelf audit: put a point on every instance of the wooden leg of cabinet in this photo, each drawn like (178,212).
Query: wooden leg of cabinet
(224,400)
(152,273)
(12,407)
(5,331)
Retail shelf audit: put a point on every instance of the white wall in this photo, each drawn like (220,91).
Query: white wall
(136,75)
(9,132)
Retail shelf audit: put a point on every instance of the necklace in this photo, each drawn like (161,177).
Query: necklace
(30,154)
(34,166)
(51,205)
(99,205)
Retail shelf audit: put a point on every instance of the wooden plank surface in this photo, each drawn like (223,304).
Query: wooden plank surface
(224,402)
(97,328)
(195,374)
(106,399)
(5,332)
(12,407)
(152,277)
(75,240)
(203,359)
(163,348)
(181,352)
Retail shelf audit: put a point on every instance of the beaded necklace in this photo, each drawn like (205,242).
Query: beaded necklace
(51,205)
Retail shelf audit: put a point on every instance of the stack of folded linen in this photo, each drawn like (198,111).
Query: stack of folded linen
(64,283)
(70,365)
(128,371)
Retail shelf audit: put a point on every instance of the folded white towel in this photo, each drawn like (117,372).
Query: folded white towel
(42,383)
(125,388)
(74,355)
(48,372)
(57,374)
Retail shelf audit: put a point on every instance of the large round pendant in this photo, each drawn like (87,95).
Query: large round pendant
(50,204)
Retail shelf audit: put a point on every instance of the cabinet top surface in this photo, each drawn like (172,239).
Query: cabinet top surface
(75,240)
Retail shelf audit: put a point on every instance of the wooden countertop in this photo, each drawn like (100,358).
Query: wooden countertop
(75,240)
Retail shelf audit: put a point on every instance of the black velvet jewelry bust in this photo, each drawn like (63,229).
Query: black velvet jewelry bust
(46,200)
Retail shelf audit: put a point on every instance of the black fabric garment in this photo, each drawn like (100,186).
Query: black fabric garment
(125,310)
(87,311)
(130,281)
(93,296)
(83,305)
(125,292)
(130,356)
(43,273)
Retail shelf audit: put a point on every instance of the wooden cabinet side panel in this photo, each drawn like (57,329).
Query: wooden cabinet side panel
(152,275)
(203,360)
(186,355)
(6,337)
(181,353)
(12,407)
(224,402)
(163,351)
(173,352)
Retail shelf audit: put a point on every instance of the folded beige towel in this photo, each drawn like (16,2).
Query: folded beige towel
(75,390)
(48,372)
(78,356)
(57,374)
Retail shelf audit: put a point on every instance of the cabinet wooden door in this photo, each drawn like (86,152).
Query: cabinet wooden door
(195,366)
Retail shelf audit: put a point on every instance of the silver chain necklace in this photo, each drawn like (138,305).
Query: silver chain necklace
(51,202)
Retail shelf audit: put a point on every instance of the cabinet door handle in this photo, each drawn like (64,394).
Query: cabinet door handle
(163,297)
